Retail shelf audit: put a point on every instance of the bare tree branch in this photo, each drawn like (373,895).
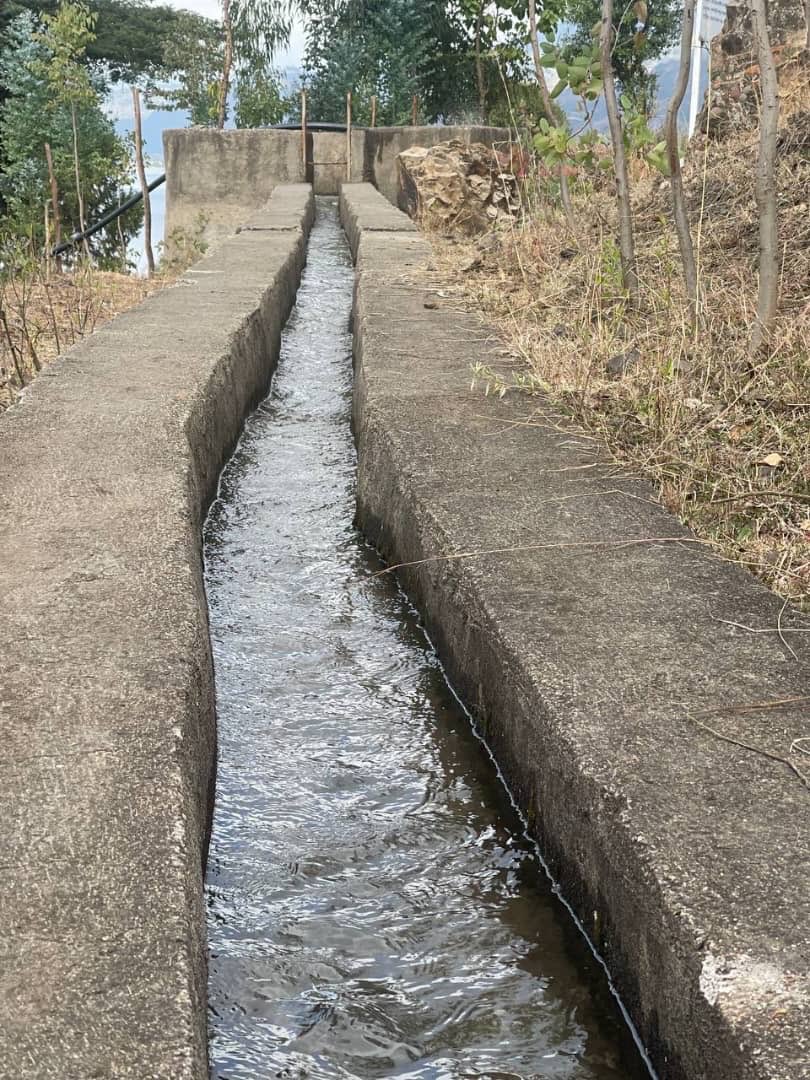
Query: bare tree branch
(679,211)
(626,240)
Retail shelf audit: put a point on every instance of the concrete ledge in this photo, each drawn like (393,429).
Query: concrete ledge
(363,210)
(590,660)
(107,465)
(291,207)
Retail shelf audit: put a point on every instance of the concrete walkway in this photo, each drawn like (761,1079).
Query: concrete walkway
(596,659)
(107,465)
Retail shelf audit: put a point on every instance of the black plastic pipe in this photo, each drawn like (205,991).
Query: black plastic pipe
(133,200)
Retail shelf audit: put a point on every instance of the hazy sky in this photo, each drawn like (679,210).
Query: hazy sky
(290,57)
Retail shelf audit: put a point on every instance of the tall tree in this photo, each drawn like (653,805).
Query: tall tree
(65,37)
(626,238)
(768,293)
(679,210)
(637,41)
(192,60)
(29,118)
(391,50)
(130,34)
(253,30)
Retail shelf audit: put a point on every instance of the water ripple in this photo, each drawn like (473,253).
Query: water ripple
(374,910)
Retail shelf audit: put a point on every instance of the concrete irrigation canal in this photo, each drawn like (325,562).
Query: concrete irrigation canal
(374,909)
(319,870)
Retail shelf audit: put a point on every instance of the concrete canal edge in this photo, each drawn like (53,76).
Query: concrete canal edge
(107,466)
(606,672)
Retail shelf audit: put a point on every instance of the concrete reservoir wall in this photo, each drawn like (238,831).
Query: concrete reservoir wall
(213,178)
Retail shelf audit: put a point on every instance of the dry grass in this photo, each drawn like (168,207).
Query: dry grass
(726,441)
(42,314)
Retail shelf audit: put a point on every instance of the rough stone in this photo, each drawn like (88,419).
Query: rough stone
(107,465)
(384,145)
(606,670)
(732,104)
(457,187)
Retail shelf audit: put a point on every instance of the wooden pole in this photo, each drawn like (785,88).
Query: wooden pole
(374,111)
(57,216)
(414,110)
(304,132)
(147,207)
(47,242)
(349,137)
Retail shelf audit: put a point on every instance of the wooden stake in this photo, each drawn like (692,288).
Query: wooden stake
(147,207)
(415,111)
(57,217)
(304,132)
(47,242)
(374,111)
(349,137)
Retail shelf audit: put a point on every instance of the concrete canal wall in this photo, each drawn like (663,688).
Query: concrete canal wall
(107,465)
(605,668)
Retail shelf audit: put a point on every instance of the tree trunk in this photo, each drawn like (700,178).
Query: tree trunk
(147,206)
(227,63)
(679,211)
(479,63)
(768,295)
(626,242)
(79,196)
(548,108)
(349,137)
(57,213)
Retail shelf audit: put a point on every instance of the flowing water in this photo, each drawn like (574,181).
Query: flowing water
(374,907)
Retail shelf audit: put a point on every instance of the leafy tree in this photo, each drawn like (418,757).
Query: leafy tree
(496,31)
(191,79)
(642,33)
(259,97)
(253,30)
(65,38)
(130,34)
(191,63)
(391,49)
(29,118)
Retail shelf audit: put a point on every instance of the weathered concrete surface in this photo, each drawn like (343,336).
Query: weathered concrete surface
(590,668)
(213,177)
(383,145)
(107,464)
(364,210)
(328,156)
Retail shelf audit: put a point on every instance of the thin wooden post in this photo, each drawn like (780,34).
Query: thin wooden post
(415,110)
(47,242)
(304,132)
(349,137)
(374,111)
(147,207)
(57,216)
